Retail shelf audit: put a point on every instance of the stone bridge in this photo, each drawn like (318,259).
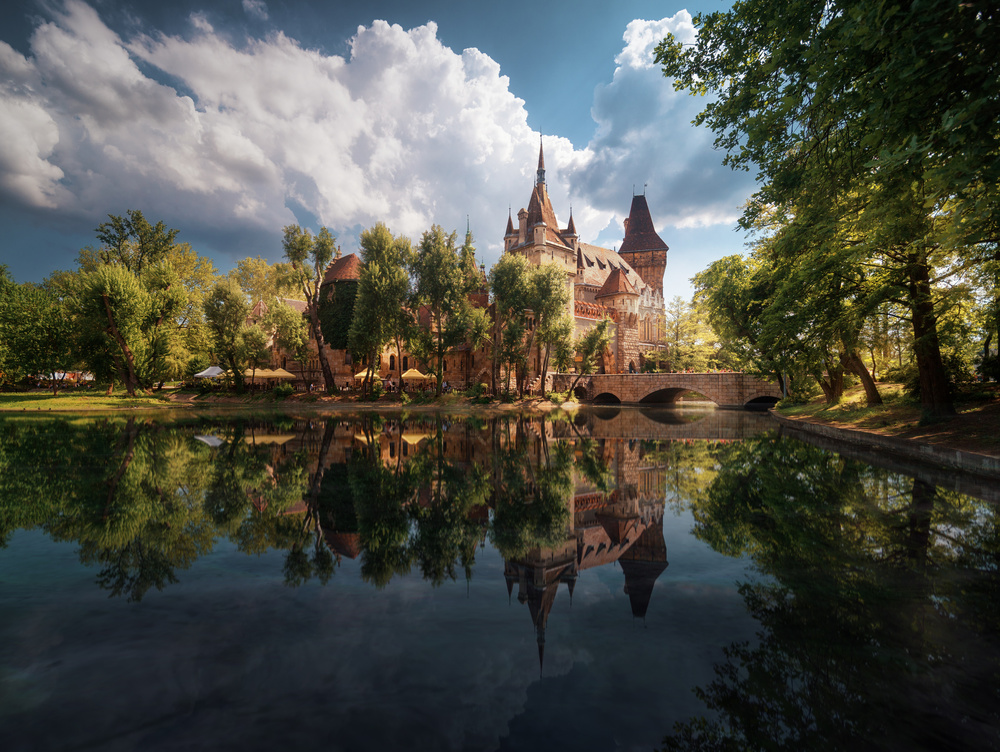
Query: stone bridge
(732,390)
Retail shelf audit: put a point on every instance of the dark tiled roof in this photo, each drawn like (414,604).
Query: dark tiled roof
(640,235)
(615,284)
(510,226)
(344,268)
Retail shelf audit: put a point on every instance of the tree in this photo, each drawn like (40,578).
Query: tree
(309,258)
(688,337)
(226,312)
(549,298)
(509,289)
(111,308)
(380,313)
(592,345)
(442,285)
(894,106)
(35,331)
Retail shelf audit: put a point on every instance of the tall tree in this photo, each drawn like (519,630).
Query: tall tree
(309,256)
(888,101)
(226,312)
(380,313)
(35,332)
(440,298)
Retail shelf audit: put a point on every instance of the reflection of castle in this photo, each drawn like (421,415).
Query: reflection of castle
(623,525)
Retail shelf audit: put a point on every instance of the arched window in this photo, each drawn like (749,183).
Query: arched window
(392,362)
(406,363)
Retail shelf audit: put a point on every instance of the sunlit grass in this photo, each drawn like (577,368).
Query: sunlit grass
(898,412)
(75,400)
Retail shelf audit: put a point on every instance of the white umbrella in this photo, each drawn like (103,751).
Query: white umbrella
(210,373)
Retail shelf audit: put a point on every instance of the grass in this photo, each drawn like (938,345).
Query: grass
(77,400)
(897,413)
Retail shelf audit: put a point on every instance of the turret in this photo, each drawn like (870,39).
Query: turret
(642,248)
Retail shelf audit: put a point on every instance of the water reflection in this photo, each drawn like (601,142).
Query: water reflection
(874,594)
(879,617)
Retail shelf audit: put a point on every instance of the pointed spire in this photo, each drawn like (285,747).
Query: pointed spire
(540,180)
(571,227)
(510,225)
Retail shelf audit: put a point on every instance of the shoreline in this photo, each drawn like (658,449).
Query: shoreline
(948,459)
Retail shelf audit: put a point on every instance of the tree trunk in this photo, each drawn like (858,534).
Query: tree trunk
(545,368)
(128,372)
(853,363)
(324,363)
(935,394)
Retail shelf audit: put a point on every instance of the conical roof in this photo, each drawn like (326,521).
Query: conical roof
(640,235)
(345,268)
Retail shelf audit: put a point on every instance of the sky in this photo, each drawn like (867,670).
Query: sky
(229,119)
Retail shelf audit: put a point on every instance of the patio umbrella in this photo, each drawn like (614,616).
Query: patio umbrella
(265,373)
(414,375)
(281,373)
(209,373)
(361,374)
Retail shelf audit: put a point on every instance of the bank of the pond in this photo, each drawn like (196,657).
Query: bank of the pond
(969,442)
(26,403)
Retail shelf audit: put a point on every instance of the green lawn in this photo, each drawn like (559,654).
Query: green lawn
(77,400)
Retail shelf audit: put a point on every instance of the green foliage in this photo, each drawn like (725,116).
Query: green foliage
(442,282)
(35,331)
(380,315)
(226,311)
(878,157)
(130,241)
(283,391)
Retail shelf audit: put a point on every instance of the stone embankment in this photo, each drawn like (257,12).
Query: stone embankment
(960,470)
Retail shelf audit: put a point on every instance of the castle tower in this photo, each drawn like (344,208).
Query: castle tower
(642,248)
(537,235)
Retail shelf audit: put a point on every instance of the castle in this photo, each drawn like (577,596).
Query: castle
(625,285)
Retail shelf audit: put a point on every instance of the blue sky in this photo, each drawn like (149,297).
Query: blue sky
(229,119)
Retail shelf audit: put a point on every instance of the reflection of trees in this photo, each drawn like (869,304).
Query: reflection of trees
(447,532)
(533,482)
(144,499)
(878,587)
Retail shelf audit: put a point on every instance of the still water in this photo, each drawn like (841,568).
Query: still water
(623,580)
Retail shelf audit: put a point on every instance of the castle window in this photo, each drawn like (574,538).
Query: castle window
(392,362)
(406,363)
(600,264)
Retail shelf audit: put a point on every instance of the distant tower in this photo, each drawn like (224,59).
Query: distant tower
(642,248)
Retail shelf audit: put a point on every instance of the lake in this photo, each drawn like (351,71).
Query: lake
(621,579)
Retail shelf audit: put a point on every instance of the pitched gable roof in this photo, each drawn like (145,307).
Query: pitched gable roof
(616,283)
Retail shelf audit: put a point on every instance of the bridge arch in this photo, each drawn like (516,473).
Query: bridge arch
(606,398)
(668,396)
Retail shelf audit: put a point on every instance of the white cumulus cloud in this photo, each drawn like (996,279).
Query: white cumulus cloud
(224,138)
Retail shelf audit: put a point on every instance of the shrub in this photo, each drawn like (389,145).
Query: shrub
(376,389)
(282,391)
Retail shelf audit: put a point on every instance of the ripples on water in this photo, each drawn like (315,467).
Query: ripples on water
(456,582)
